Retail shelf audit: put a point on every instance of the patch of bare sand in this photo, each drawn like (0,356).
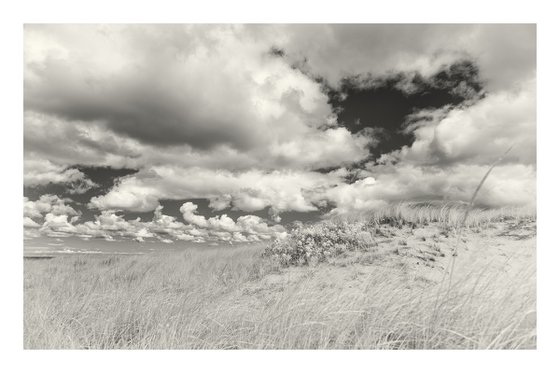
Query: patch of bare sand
(416,257)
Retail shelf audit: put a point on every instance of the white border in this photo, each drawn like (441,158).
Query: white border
(102,11)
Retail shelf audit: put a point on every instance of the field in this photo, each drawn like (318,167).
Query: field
(406,277)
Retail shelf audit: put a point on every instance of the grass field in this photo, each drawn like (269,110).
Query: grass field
(408,277)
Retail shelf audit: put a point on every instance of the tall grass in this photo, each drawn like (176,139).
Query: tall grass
(448,214)
(141,301)
(236,298)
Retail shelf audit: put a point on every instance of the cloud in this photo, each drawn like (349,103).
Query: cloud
(188,210)
(170,85)
(507,185)
(505,53)
(57,226)
(334,146)
(451,151)
(111,226)
(220,202)
(85,142)
(42,172)
(130,197)
(247,191)
(486,130)
(88,144)
(30,223)
(47,203)
(226,228)
(207,111)
(56,216)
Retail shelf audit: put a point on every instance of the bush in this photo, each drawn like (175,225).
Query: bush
(318,242)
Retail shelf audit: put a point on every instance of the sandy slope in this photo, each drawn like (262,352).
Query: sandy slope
(423,255)
(396,293)
(411,264)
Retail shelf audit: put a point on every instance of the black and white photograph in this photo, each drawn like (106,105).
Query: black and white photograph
(318,186)
(279,186)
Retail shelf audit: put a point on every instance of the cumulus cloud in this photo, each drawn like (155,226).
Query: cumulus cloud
(505,53)
(335,146)
(42,172)
(226,228)
(479,133)
(49,215)
(507,185)
(247,191)
(57,226)
(168,85)
(188,210)
(111,226)
(88,144)
(452,150)
(137,197)
(220,202)
(47,203)
(204,91)
(69,142)
(30,223)
(207,111)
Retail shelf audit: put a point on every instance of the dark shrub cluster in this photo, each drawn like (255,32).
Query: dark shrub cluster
(318,242)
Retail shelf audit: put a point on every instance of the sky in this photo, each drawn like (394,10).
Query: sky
(203,134)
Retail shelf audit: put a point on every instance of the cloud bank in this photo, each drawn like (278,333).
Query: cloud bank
(243,116)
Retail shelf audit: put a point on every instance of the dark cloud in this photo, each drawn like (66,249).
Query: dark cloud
(219,88)
(138,110)
(505,53)
(238,128)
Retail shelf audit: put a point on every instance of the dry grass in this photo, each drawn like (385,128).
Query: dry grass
(235,298)
(448,214)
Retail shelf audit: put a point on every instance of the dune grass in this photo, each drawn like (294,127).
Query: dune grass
(231,298)
(448,214)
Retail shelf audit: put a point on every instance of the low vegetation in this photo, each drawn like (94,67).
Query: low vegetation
(405,277)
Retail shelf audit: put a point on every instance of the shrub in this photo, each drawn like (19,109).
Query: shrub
(318,242)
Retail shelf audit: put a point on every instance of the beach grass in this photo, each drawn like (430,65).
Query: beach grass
(367,296)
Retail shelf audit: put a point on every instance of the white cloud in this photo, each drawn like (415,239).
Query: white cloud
(220,202)
(164,228)
(334,146)
(207,112)
(226,228)
(57,226)
(451,152)
(507,185)
(142,234)
(52,212)
(42,172)
(188,210)
(479,133)
(131,198)
(47,203)
(30,223)
(252,190)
